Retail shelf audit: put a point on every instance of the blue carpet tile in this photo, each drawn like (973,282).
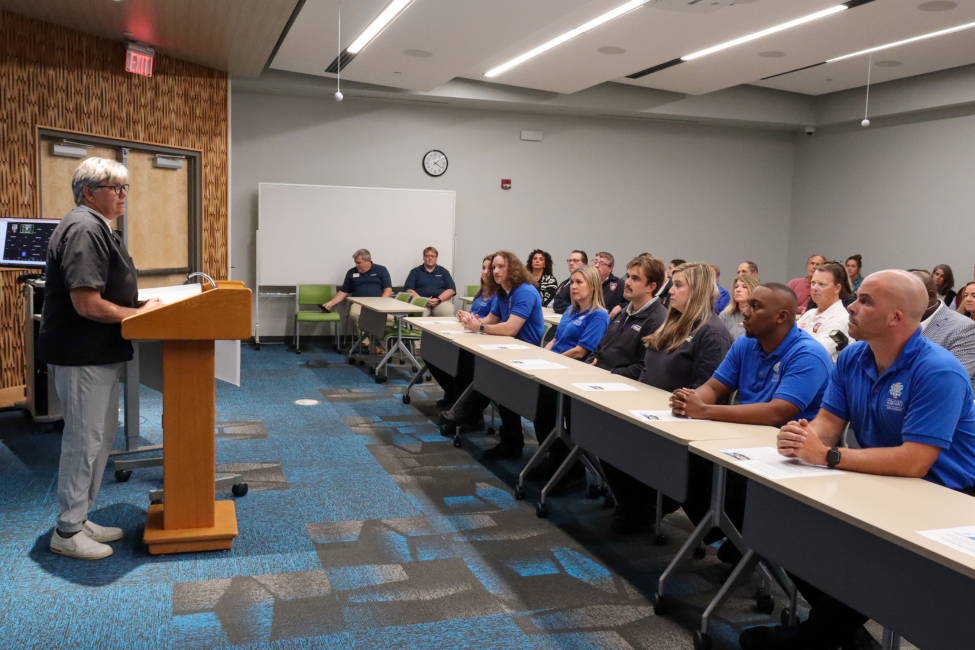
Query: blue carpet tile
(363,528)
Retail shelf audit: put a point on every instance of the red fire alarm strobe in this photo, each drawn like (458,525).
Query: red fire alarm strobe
(506,183)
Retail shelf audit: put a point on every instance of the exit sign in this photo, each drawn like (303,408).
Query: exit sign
(138,59)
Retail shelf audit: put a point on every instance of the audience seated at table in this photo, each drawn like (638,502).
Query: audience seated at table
(621,350)
(830,289)
(910,405)
(517,312)
(731,316)
(578,334)
(684,351)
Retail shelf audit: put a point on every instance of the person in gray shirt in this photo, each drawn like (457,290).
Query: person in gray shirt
(943,325)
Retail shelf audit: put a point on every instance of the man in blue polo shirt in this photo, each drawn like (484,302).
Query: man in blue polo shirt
(430,280)
(780,373)
(910,404)
(364,280)
(517,312)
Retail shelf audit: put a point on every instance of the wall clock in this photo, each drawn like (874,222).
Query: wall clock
(435,163)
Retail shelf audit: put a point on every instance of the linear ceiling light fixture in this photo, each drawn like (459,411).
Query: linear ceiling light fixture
(904,42)
(751,37)
(569,35)
(375,28)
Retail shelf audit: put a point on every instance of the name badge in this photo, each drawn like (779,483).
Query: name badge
(635,327)
(355,275)
(438,276)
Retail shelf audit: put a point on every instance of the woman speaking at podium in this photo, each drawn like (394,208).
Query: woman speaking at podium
(90,287)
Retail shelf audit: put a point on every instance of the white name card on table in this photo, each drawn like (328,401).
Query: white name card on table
(170,295)
(441,322)
(604,385)
(961,539)
(536,364)
(768,462)
(660,416)
(457,332)
(503,346)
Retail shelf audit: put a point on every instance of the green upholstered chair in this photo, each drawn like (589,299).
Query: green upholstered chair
(313,294)
(472,290)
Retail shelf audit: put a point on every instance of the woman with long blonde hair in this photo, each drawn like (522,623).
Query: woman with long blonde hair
(683,353)
(731,316)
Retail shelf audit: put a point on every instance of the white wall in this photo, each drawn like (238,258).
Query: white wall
(699,193)
(901,196)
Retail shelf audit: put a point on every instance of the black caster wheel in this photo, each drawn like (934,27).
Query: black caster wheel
(239,490)
(406,399)
(350,361)
(372,371)
(700,553)
(660,539)
(456,441)
(660,606)
(123,475)
(764,604)
(541,510)
(609,501)
(257,346)
(490,431)
(297,351)
(156,502)
(402,362)
(381,380)
(784,617)
(428,379)
(702,641)
(519,492)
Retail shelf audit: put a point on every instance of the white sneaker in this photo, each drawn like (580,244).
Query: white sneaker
(79,546)
(101,533)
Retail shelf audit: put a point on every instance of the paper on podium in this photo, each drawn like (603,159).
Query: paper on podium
(169,295)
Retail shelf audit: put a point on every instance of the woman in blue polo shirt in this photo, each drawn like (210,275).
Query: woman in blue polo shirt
(581,329)
(483,299)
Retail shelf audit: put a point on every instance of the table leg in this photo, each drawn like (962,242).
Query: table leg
(553,435)
(417,379)
(891,641)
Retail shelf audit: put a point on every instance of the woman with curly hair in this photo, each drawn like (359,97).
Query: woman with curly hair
(540,267)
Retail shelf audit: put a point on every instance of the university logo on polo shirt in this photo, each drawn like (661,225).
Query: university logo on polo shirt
(775,371)
(894,403)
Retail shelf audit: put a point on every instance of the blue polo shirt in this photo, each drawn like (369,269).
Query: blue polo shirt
(524,302)
(723,299)
(584,329)
(925,396)
(367,285)
(796,371)
(481,306)
(429,284)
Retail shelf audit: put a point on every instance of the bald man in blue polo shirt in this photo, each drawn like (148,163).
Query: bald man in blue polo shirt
(910,404)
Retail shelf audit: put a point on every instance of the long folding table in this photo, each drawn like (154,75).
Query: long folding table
(855,536)
(372,321)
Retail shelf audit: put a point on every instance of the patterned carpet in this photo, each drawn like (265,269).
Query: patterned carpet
(363,528)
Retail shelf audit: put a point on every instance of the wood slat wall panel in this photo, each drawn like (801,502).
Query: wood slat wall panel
(63,79)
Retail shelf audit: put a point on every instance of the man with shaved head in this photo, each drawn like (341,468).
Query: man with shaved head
(946,327)
(910,404)
(780,373)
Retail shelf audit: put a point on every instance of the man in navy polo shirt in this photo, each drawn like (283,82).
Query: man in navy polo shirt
(517,312)
(910,404)
(430,280)
(364,280)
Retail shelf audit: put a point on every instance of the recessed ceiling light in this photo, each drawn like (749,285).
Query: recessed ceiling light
(765,32)
(569,35)
(887,64)
(772,54)
(610,49)
(385,17)
(420,54)
(905,41)
(937,5)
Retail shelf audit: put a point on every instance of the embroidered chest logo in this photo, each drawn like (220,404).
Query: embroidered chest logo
(894,402)
(612,286)
(635,327)
(775,371)
(816,327)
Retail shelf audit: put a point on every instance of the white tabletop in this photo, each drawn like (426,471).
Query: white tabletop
(894,508)
(553,318)
(388,305)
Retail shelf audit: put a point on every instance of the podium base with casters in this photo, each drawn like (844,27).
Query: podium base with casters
(220,537)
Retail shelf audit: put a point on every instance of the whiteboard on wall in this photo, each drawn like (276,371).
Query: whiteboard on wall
(307,233)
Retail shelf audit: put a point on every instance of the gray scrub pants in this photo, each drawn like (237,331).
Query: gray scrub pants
(89,400)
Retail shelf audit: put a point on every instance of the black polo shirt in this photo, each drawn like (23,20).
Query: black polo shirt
(430,284)
(370,284)
(84,252)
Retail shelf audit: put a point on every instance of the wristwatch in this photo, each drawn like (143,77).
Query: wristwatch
(833,458)
(480,330)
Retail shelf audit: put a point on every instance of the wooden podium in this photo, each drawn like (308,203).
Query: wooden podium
(191,519)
